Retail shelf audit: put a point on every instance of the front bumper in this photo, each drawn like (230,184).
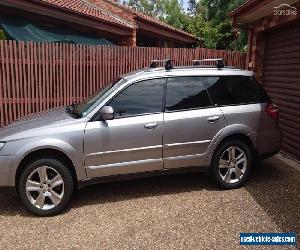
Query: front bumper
(6,165)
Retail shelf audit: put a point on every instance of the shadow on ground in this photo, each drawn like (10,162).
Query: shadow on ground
(118,191)
(273,185)
(276,188)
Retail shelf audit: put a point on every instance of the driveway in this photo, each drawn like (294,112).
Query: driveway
(168,212)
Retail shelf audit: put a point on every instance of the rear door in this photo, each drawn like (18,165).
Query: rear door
(243,103)
(190,121)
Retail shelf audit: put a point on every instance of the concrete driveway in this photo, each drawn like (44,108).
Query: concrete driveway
(183,211)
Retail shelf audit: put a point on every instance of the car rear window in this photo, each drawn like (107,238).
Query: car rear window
(232,90)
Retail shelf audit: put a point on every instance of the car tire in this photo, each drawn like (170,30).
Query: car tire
(45,186)
(231,164)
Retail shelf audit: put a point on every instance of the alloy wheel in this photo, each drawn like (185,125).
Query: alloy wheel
(232,164)
(45,188)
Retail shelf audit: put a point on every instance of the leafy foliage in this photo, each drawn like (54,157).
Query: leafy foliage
(153,8)
(2,34)
(207,19)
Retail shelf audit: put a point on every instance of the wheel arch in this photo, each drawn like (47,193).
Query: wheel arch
(46,153)
(238,135)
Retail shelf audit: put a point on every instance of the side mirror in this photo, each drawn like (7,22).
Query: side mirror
(107,112)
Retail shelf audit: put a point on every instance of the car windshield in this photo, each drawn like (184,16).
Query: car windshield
(90,103)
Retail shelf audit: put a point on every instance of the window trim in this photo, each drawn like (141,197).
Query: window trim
(191,109)
(137,115)
(238,104)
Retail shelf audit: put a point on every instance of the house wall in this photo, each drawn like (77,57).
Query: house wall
(256,38)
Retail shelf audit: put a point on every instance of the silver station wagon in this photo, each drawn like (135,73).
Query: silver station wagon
(159,119)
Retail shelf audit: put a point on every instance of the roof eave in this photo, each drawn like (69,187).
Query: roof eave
(253,10)
(193,39)
(244,8)
(40,7)
(83,14)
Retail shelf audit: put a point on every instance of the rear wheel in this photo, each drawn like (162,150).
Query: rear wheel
(46,186)
(231,164)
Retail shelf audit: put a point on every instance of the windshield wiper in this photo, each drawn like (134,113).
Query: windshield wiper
(72,109)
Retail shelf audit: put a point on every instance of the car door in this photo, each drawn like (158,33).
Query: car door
(132,141)
(190,122)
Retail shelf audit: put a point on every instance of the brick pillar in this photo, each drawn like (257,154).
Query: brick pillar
(249,65)
(129,40)
(256,53)
(259,55)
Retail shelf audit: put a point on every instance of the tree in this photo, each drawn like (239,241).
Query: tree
(192,7)
(207,19)
(212,23)
(154,8)
(173,13)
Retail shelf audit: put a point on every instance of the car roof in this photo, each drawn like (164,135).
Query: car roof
(185,71)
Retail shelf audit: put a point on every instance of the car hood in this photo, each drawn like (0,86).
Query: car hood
(35,124)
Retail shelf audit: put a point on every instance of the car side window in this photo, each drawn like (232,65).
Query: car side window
(232,90)
(186,93)
(143,97)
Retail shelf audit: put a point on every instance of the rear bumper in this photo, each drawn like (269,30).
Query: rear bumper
(268,142)
(6,163)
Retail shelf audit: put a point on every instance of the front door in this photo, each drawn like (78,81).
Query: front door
(190,122)
(132,141)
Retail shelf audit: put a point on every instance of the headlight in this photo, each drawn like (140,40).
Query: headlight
(1,145)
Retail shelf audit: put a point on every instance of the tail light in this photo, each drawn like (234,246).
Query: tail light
(273,111)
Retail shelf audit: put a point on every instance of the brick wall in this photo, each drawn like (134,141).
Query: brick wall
(256,39)
(129,40)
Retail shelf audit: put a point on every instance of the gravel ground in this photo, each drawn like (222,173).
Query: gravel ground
(181,211)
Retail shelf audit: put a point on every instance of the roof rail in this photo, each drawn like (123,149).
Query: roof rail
(220,62)
(168,63)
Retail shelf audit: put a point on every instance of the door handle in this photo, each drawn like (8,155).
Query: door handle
(151,125)
(213,119)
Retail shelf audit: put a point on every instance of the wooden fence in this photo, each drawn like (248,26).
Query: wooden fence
(39,76)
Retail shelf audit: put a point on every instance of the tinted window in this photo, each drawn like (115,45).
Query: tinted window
(227,90)
(186,93)
(139,98)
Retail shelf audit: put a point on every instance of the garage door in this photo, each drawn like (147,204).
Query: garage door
(281,79)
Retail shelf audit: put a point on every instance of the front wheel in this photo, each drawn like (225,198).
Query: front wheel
(231,164)
(45,187)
